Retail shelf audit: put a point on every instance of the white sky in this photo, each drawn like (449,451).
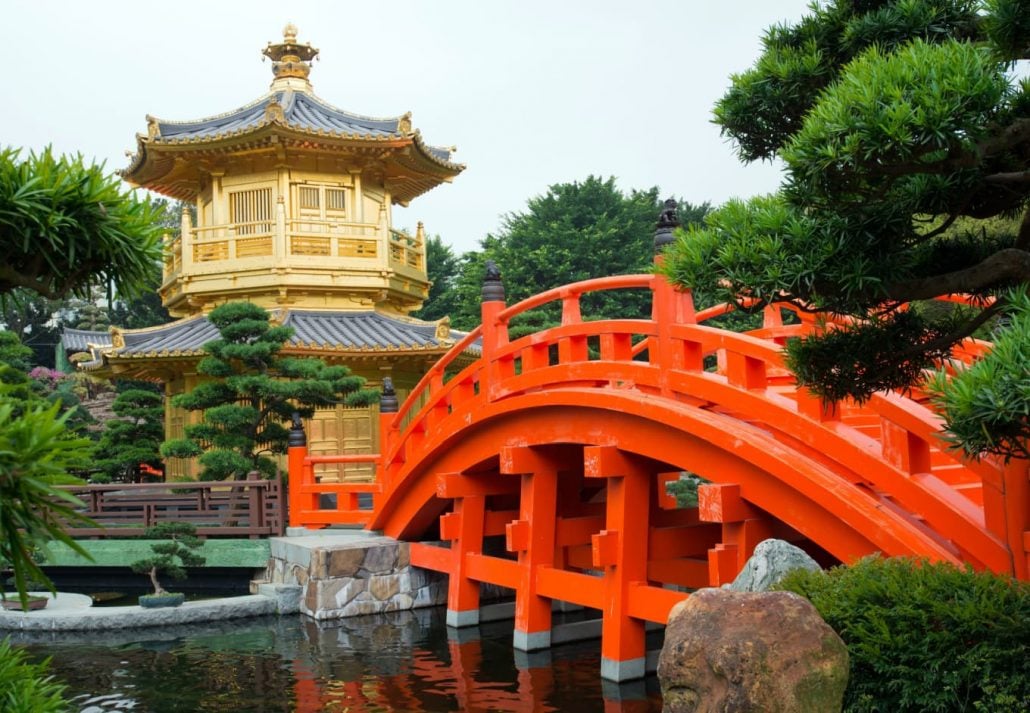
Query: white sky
(532,93)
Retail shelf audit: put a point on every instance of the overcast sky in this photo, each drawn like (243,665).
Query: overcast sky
(532,93)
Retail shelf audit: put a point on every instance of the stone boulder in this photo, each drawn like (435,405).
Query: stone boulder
(761,652)
(771,560)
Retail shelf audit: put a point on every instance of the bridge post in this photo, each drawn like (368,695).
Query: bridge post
(388,431)
(532,536)
(494,335)
(297,451)
(620,551)
(464,528)
(669,305)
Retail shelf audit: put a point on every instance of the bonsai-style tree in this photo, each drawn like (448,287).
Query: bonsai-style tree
(171,557)
(135,436)
(906,142)
(252,393)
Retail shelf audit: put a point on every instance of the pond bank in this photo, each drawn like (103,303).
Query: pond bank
(57,617)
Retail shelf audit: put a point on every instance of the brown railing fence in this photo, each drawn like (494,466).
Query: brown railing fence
(245,508)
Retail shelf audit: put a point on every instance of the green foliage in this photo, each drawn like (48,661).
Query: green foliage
(252,392)
(925,637)
(27,687)
(171,557)
(67,226)
(443,267)
(34,446)
(685,489)
(13,352)
(987,406)
(575,231)
(906,142)
(135,436)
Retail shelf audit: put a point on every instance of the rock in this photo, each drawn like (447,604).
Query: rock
(768,565)
(768,652)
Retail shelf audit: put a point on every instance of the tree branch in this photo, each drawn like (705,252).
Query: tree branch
(1010,177)
(1003,266)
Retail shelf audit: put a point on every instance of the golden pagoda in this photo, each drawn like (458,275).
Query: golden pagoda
(292,198)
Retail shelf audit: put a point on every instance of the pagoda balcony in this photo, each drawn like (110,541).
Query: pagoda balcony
(321,241)
(301,246)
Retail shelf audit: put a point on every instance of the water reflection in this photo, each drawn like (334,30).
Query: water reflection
(405,661)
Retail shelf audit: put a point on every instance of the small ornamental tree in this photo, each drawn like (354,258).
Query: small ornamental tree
(171,557)
(135,436)
(252,393)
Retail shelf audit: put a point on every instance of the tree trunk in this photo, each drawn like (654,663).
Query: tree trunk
(158,589)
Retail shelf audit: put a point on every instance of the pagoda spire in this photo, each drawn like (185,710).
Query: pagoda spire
(291,61)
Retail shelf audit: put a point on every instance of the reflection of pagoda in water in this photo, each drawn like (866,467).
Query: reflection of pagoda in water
(293,212)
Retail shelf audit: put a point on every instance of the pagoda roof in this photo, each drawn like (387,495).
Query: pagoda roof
(288,117)
(362,332)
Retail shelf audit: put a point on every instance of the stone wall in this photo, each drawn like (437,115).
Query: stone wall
(353,575)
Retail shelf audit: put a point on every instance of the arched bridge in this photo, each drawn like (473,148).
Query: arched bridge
(544,465)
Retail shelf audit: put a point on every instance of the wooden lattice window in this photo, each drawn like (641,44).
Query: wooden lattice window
(317,203)
(251,211)
(308,196)
(335,200)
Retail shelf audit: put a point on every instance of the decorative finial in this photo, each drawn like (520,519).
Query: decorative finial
(289,57)
(296,436)
(388,397)
(493,288)
(667,222)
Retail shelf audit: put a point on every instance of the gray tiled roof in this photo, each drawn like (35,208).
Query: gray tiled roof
(300,110)
(78,340)
(348,331)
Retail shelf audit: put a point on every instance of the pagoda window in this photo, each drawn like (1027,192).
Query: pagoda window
(320,203)
(251,211)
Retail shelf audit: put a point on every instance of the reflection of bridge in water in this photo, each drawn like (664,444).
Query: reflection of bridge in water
(543,466)
(467,672)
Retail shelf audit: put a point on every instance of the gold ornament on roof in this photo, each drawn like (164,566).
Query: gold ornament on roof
(289,57)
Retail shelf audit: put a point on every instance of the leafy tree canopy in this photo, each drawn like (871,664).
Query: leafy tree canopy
(575,231)
(444,268)
(906,143)
(66,226)
(252,393)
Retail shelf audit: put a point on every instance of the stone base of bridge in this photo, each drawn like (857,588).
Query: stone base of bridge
(352,573)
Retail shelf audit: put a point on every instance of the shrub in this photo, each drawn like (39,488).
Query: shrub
(171,557)
(26,687)
(925,637)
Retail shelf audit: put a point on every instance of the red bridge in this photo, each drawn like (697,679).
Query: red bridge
(563,441)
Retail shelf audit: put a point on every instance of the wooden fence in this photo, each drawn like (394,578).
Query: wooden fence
(246,508)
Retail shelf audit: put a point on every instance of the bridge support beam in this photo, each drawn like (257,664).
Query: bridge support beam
(532,536)
(620,552)
(464,528)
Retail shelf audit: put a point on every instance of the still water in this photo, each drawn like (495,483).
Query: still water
(404,661)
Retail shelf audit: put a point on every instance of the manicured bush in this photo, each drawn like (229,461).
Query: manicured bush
(26,687)
(925,637)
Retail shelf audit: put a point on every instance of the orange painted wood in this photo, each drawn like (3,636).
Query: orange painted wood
(431,557)
(462,590)
(722,502)
(495,570)
(622,637)
(722,565)
(457,485)
(539,510)
(652,603)
(574,587)
(692,573)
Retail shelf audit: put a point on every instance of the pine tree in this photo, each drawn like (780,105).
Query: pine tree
(252,392)
(135,436)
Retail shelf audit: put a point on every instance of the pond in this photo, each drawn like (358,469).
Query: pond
(404,661)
